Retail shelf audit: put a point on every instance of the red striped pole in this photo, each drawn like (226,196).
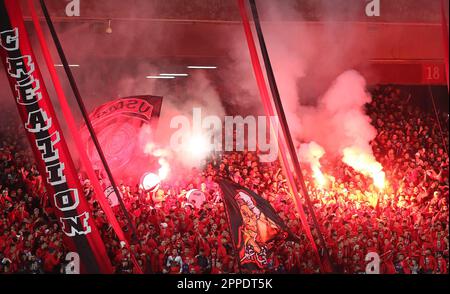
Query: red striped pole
(85,115)
(270,112)
(74,132)
(326,265)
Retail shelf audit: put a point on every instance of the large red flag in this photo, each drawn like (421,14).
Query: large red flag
(119,128)
(47,142)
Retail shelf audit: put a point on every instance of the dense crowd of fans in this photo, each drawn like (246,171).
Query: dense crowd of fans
(406,224)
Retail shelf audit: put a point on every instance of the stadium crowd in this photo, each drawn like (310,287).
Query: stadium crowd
(406,224)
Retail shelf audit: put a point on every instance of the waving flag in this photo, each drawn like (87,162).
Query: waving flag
(118,125)
(254,224)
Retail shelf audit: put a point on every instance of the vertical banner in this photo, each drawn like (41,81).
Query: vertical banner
(47,142)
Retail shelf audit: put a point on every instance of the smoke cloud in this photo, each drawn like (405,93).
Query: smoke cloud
(323,98)
(339,119)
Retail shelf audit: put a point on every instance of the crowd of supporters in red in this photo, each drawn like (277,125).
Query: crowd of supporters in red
(407,224)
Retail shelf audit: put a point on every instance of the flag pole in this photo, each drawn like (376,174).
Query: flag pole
(284,125)
(236,251)
(270,112)
(83,110)
(75,133)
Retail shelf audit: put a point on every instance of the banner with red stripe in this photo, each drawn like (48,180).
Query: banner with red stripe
(47,142)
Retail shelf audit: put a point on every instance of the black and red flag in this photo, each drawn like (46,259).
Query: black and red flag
(254,224)
(48,143)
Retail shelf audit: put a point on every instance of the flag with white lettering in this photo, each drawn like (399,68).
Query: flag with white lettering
(47,141)
(254,225)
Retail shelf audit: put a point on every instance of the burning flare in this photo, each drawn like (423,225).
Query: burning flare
(319,176)
(366,164)
(312,153)
(198,146)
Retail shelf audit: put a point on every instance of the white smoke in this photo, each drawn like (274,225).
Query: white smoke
(323,97)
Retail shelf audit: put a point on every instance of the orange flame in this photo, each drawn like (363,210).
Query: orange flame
(366,164)
(312,153)
(319,176)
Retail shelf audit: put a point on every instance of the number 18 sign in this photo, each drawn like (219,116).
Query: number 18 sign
(434,73)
